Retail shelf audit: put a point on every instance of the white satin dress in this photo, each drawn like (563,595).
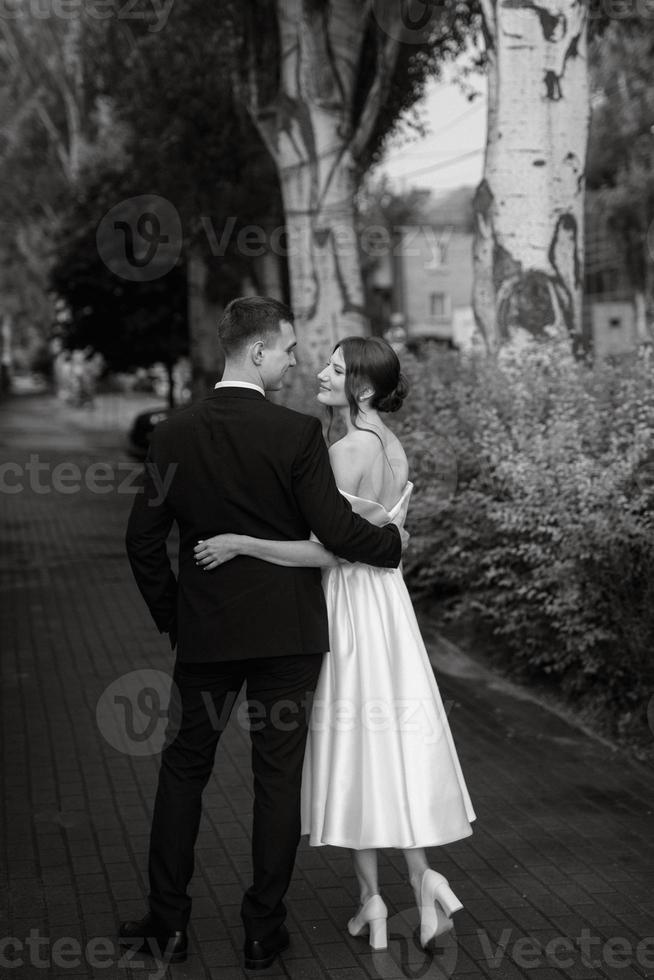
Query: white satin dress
(380,769)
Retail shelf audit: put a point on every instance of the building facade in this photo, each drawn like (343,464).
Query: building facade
(615,318)
(426,281)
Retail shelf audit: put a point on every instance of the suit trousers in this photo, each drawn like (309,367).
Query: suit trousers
(279,691)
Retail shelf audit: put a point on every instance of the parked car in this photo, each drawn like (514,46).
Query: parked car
(141,430)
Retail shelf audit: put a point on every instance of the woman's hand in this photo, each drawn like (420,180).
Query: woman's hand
(212,552)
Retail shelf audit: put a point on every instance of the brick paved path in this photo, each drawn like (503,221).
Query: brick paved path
(563,849)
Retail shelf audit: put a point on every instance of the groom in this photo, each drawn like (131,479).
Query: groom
(237,462)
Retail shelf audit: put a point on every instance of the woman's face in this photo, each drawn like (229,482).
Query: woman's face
(332,382)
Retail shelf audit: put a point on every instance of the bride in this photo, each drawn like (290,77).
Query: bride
(380,769)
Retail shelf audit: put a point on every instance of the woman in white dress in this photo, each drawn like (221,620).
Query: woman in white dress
(381,769)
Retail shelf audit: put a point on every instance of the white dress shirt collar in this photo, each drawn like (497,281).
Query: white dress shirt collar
(240,384)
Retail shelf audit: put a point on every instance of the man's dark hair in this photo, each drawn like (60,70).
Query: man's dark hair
(250,318)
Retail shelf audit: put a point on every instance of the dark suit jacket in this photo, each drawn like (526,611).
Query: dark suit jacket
(237,462)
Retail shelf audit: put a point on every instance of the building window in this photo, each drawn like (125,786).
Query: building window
(437,304)
(602,281)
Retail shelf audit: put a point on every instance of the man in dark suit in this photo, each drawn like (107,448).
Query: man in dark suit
(237,462)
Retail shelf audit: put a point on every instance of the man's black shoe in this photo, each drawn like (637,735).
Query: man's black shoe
(259,956)
(155,940)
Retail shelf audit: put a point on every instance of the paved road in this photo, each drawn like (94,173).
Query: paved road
(557,880)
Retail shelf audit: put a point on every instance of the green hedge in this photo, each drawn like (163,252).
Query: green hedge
(546,535)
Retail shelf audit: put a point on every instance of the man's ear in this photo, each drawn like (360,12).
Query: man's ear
(256,351)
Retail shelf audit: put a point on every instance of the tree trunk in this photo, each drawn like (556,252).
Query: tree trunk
(267,268)
(318,183)
(308,128)
(528,249)
(207,363)
(324,264)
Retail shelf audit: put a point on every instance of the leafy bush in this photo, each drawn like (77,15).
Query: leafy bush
(548,536)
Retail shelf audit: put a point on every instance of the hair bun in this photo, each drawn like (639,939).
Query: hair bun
(393,401)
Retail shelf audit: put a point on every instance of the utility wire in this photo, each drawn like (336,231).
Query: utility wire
(444,129)
(441,164)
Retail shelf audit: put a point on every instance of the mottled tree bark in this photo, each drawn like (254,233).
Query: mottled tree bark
(308,130)
(528,250)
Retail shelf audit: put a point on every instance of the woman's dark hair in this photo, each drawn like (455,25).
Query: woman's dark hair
(372,361)
(250,318)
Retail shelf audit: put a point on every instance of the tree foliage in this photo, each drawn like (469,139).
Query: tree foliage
(186,142)
(54,127)
(190,139)
(621,149)
(131,323)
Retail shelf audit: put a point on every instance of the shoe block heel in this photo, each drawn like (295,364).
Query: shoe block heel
(437,903)
(378,938)
(448,900)
(371,917)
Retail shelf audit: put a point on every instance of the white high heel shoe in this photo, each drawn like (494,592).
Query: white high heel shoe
(437,904)
(371,915)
